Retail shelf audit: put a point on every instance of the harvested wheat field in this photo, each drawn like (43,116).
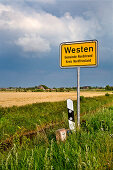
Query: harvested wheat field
(8,99)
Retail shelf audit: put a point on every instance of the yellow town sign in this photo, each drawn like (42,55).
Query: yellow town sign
(79,54)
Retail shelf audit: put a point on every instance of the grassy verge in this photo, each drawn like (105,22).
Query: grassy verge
(27,118)
(89,148)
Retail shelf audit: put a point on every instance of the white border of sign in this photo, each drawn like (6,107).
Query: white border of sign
(74,42)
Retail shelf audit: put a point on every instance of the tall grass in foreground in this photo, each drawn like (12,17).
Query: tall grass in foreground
(89,148)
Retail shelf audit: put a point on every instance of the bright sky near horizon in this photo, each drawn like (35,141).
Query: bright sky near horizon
(32,30)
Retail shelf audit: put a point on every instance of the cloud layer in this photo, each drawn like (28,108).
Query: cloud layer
(30,34)
(43,1)
(40,31)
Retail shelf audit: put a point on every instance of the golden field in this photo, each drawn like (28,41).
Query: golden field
(8,99)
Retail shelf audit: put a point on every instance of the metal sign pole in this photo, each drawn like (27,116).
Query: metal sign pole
(78,97)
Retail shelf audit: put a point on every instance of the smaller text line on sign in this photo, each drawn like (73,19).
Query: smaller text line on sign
(79,54)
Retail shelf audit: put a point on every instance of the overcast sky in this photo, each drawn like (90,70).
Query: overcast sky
(30,34)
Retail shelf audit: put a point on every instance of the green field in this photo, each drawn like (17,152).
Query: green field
(91,147)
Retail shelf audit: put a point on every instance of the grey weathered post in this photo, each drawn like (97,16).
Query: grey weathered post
(78,96)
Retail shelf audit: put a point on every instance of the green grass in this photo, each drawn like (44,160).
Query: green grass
(91,147)
(28,117)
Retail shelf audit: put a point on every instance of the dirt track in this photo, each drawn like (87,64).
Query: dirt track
(8,99)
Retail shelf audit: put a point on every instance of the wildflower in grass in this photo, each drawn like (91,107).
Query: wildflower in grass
(111,135)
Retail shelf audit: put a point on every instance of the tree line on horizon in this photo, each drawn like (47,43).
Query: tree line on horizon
(42,88)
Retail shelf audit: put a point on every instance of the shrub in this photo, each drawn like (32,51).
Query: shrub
(107,94)
(61,89)
(38,90)
(82,98)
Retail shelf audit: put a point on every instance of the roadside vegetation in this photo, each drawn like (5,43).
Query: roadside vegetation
(91,147)
(39,114)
